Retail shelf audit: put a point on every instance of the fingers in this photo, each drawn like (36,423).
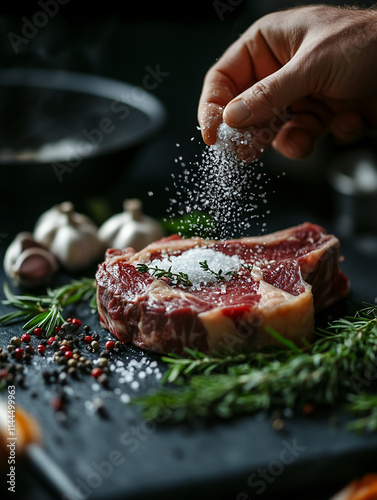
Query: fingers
(222,83)
(297,138)
(347,127)
(264,99)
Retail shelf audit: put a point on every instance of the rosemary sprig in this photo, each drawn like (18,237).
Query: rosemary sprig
(176,278)
(45,311)
(322,374)
(364,405)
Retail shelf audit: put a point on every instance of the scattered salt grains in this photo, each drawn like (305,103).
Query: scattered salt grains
(125,398)
(220,185)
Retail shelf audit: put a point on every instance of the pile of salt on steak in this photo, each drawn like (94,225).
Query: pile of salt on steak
(278,281)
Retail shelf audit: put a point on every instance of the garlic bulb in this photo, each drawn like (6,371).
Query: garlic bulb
(27,263)
(70,236)
(130,228)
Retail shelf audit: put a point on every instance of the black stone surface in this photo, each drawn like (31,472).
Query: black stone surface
(223,460)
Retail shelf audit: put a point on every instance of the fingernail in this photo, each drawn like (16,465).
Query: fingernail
(237,111)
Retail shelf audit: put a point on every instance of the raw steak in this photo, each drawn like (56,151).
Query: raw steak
(284,277)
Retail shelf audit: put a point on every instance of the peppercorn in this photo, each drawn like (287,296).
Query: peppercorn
(68,355)
(37,331)
(72,362)
(43,342)
(55,345)
(88,339)
(72,371)
(26,338)
(96,372)
(110,344)
(88,363)
(51,340)
(95,336)
(29,349)
(57,329)
(103,362)
(66,326)
(86,328)
(76,323)
(62,360)
(81,336)
(3,356)
(82,359)
(105,354)
(16,341)
(41,349)
(19,353)
(95,345)
(103,380)
(119,345)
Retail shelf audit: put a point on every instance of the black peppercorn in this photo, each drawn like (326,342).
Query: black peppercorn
(105,354)
(96,336)
(86,328)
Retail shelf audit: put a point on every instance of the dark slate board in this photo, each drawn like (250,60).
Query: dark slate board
(238,459)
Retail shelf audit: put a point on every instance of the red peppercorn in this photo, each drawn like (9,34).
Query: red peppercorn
(64,348)
(88,339)
(51,340)
(41,349)
(68,354)
(26,338)
(19,353)
(37,331)
(76,322)
(110,344)
(96,372)
(57,329)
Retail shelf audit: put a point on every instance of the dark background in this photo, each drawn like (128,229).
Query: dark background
(183,39)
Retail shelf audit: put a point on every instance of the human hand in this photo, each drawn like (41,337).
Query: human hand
(294,76)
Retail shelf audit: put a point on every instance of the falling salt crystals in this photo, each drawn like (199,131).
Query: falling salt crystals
(228,191)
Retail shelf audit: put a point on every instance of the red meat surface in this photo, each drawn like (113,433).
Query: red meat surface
(295,272)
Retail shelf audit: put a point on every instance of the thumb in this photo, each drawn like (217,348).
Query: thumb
(266,98)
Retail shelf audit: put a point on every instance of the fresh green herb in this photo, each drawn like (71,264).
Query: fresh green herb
(249,267)
(189,225)
(176,278)
(364,405)
(323,374)
(219,275)
(46,311)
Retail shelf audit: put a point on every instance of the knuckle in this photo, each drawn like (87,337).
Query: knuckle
(263,94)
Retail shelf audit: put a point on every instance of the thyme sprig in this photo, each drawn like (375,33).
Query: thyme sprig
(183,278)
(324,374)
(45,311)
(219,275)
(176,278)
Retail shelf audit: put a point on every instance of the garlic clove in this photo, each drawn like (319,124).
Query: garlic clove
(76,249)
(21,242)
(70,236)
(33,267)
(130,228)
